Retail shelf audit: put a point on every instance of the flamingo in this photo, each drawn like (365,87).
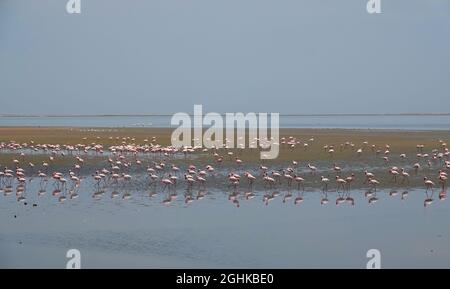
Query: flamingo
(201,181)
(394,172)
(340,183)
(312,168)
(428,183)
(268,181)
(359,152)
(167,182)
(368,176)
(189,180)
(97,179)
(289,179)
(374,183)
(325,182)
(277,176)
(337,169)
(300,181)
(250,178)
(174,179)
(405,175)
(350,179)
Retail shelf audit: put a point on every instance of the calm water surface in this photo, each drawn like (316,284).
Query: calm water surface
(409,122)
(214,232)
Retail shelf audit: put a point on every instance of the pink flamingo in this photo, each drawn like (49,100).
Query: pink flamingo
(428,183)
(250,178)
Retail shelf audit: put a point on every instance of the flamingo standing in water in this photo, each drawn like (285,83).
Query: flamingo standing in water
(289,179)
(126,177)
(201,180)
(350,179)
(97,179)
(312,168)
(250,178)
(405,176)
(268,181)
(234,180)
(174,179)
(189,180)
(368,176)
(337,169)
(167,183)
(394,172)
(442,179)
(374,183)
(325,182)
(263,168)
(8,177)
(277,176)
(340,183)
(428,183)
(300,181)
(175,169)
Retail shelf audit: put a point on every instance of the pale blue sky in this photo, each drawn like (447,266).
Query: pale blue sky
(163,56)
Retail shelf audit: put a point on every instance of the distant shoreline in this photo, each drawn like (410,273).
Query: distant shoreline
(156,115)
(168,130)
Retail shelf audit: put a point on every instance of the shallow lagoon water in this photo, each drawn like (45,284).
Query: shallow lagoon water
(214,233)
(407,122)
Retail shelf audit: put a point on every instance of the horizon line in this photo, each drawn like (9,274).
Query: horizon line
(190,114)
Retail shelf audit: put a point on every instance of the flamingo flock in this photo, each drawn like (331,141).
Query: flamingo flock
(155,167)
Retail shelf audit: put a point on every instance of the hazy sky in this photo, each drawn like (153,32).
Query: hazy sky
(162,56)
